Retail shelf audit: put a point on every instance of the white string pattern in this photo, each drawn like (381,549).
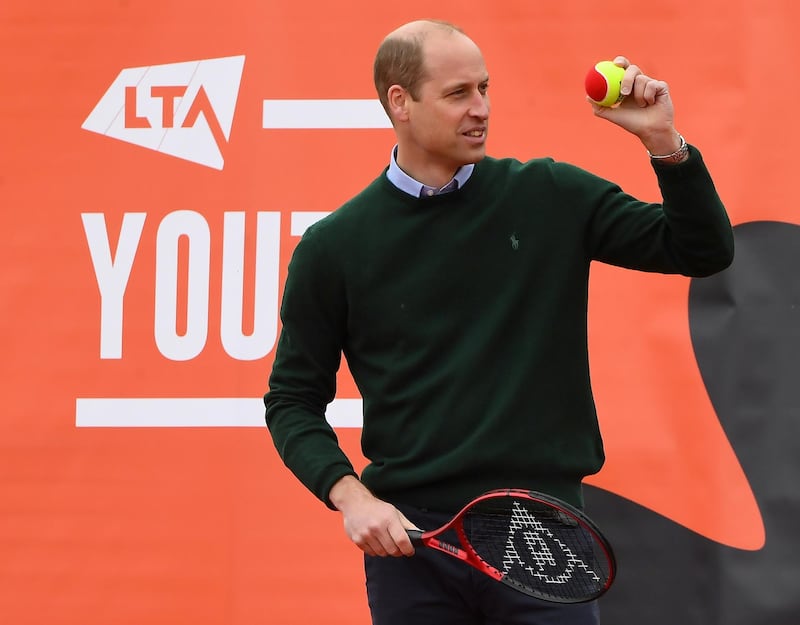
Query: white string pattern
(540,560)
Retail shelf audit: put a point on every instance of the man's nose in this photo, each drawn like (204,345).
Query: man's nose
(480,106)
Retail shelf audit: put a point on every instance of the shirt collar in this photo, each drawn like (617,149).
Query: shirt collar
(406,183)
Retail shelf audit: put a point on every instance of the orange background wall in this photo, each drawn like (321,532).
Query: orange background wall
(204,525)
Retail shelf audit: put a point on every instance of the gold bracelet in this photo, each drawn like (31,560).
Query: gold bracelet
(678,156)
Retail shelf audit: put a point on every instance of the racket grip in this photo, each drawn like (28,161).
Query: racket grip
(415,536)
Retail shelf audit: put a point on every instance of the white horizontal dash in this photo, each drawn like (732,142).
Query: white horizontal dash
(324,114)
(130,412)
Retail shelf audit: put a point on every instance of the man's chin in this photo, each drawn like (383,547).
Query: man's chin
(473,154)
(476,157)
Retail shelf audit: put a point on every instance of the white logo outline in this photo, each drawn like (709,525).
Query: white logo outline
(182,109)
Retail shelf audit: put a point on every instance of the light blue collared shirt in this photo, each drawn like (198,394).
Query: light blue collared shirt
(406,183)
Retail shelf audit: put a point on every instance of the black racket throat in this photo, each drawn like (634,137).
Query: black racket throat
(530,541)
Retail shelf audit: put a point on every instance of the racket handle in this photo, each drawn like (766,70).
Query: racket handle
(415,536)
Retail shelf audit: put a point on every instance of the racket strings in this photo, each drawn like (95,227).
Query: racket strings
(538,548)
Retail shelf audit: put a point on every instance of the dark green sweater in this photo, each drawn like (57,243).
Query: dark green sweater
(463,318)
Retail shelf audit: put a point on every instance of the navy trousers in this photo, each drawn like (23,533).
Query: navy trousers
(431,588)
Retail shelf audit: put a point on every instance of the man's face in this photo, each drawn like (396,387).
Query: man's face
(448,123)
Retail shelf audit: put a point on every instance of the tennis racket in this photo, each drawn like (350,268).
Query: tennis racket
(532,542)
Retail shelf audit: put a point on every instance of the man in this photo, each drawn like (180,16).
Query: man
(456,286)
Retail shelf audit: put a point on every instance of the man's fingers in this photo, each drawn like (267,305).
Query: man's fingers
(406,523)
(621,61)
(402,541)
(391,540)
(632,74)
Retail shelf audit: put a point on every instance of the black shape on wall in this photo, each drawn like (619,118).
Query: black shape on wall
(745,329)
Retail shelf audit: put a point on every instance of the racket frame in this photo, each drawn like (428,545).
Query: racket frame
(467,553)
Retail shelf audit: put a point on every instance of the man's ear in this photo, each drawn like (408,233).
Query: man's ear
(398,99)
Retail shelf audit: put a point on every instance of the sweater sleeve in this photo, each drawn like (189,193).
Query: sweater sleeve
(303,378)
(687,233)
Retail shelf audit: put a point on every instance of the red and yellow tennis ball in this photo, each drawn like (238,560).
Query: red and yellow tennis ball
(603,83)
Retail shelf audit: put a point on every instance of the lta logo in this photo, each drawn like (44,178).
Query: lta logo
(181,109)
